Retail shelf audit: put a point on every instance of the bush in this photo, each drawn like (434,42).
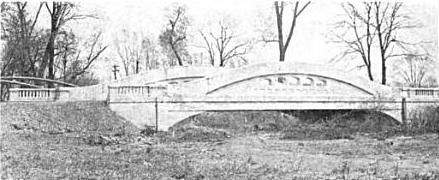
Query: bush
(425,119)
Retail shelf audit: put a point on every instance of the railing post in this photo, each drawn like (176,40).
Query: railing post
(156,115)
(108,94)
(403,112)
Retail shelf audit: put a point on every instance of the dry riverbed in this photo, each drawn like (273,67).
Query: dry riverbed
(57,149)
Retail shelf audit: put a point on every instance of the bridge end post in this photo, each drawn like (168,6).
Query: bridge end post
(403,112)
(156,103)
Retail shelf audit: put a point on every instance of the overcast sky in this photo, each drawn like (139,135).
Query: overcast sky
(310,42)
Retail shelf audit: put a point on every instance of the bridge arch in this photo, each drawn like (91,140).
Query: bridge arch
(307,81)
(313,76)
(276,86)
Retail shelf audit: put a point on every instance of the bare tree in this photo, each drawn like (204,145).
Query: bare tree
(381,23)
(60,14)
(388,20)
(20,53)
(225,46)
(414,70)
(150,54)
(174,37)
(127,49)
(133,49)
(42,51)
(358,38)
(80,64)
(279,9)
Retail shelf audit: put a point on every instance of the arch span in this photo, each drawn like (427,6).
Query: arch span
(212,84)
(366,91)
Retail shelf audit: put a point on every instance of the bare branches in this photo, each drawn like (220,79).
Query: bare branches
(174,36)
(378,22)
(55,54)
(414,70)
(35,19)
(359,34)
(279,9)
(388,21)
(209,48)
(135,49)
(225,45)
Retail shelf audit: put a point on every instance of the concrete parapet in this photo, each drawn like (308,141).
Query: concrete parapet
(40,94)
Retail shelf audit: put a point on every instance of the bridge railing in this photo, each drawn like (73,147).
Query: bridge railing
(116,93)
(40,94)
(420,92)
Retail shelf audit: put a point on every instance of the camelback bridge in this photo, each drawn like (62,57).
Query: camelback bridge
(161,98)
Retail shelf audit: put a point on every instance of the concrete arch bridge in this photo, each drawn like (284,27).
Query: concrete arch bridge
(268,86)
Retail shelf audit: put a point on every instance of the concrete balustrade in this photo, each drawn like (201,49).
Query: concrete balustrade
(130,93)
(420,92)
(41,94)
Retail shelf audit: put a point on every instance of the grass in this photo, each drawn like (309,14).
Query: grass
(85,140)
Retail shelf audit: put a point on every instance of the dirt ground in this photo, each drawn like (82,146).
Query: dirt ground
(39,145)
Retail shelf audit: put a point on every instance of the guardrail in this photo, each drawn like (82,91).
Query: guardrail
(40,94)
(420,92)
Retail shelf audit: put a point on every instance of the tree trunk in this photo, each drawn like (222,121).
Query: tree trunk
(222,60)
(171,42)
(137,67)
(180,62)
(279,12)
(369,73)
(383,71)
(282,56)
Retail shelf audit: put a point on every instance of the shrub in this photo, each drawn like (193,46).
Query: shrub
(425,119)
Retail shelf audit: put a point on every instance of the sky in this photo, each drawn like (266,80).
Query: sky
(310,41)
